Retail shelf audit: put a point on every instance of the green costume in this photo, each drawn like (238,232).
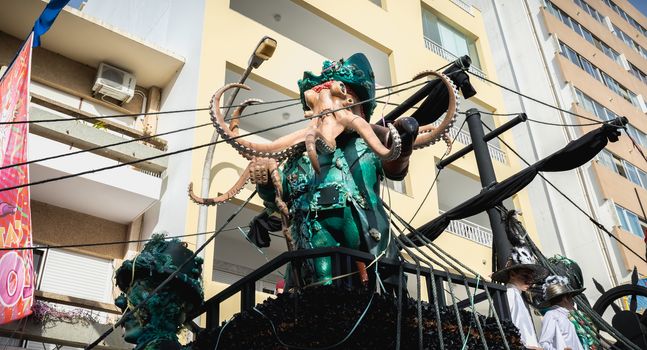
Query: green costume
(155,324)
(341,205)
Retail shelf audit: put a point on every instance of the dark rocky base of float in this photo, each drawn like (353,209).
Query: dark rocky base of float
(323,316)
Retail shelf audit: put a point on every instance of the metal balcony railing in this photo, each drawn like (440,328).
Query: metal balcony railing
(446,54)
(469,230)
(464,137)
(343,262)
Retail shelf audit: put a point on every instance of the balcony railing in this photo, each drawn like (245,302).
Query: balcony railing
(469,230)
(464,137)
(446,54)
(465,6)
(68,321)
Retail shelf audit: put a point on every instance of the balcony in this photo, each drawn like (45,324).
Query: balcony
(444,53)
(139,185)
(67,321)
(469,230)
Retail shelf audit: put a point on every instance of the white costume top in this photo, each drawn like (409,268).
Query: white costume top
(520,316)
(557,331)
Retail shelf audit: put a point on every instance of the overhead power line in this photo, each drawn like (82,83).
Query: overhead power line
(534,99)
(96,244)
(599,122)
(199,146)
(130,115)
(137,139)
(129,313)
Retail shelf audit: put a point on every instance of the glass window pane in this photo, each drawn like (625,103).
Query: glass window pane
(621,218)
(634,223)
(605,159)
(632,173)
(600,112)
(643,178)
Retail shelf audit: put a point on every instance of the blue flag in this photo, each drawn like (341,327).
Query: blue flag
(46,19)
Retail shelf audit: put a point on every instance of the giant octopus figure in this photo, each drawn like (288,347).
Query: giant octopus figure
(329,196)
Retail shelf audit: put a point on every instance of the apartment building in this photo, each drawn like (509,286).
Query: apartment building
(120,204)
(588,57)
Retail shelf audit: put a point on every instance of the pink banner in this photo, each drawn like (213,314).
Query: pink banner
(16,266)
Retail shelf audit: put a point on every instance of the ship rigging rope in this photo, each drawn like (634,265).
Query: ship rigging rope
(591,218)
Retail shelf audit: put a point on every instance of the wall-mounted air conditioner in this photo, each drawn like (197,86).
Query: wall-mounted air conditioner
(114,82)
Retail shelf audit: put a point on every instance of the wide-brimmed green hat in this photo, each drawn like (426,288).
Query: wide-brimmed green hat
(158,260)
(355,72)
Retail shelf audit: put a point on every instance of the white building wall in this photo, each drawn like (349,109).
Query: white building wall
(525,61)
(174,25)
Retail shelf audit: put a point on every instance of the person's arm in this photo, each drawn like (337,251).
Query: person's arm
(551,337)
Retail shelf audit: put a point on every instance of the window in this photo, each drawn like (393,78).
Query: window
(590,10)
(605,114)
(625,16)
(583,32)
(629,221)
(600,76)
(449,38)
(623,168)
(398,186)
(605,158)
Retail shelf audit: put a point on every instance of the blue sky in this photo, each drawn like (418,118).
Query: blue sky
(641,5)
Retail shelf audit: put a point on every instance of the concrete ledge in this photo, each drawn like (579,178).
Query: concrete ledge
(84,136)
(62,333)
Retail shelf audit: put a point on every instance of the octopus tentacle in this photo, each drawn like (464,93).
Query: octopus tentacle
(282,206)
(365,130)
(233,191)
(279,149)
(234,122)
(430,134)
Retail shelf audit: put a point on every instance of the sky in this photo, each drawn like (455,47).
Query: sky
(641,5)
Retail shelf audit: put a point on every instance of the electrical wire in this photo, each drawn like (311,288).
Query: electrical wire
(533,99)
(591,218)
(635,145)
(437,174)
(95,244)
(143,138)
(130,115)
(68,176)
(170,277)
(536,120)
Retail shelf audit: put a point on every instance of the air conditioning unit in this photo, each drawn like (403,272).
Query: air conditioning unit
(114,82)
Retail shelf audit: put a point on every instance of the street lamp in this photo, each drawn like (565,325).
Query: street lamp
(262,53)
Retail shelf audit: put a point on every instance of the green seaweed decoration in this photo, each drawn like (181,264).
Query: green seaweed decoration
(155,325)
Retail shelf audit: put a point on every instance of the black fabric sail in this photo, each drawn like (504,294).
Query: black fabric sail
(574,154)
